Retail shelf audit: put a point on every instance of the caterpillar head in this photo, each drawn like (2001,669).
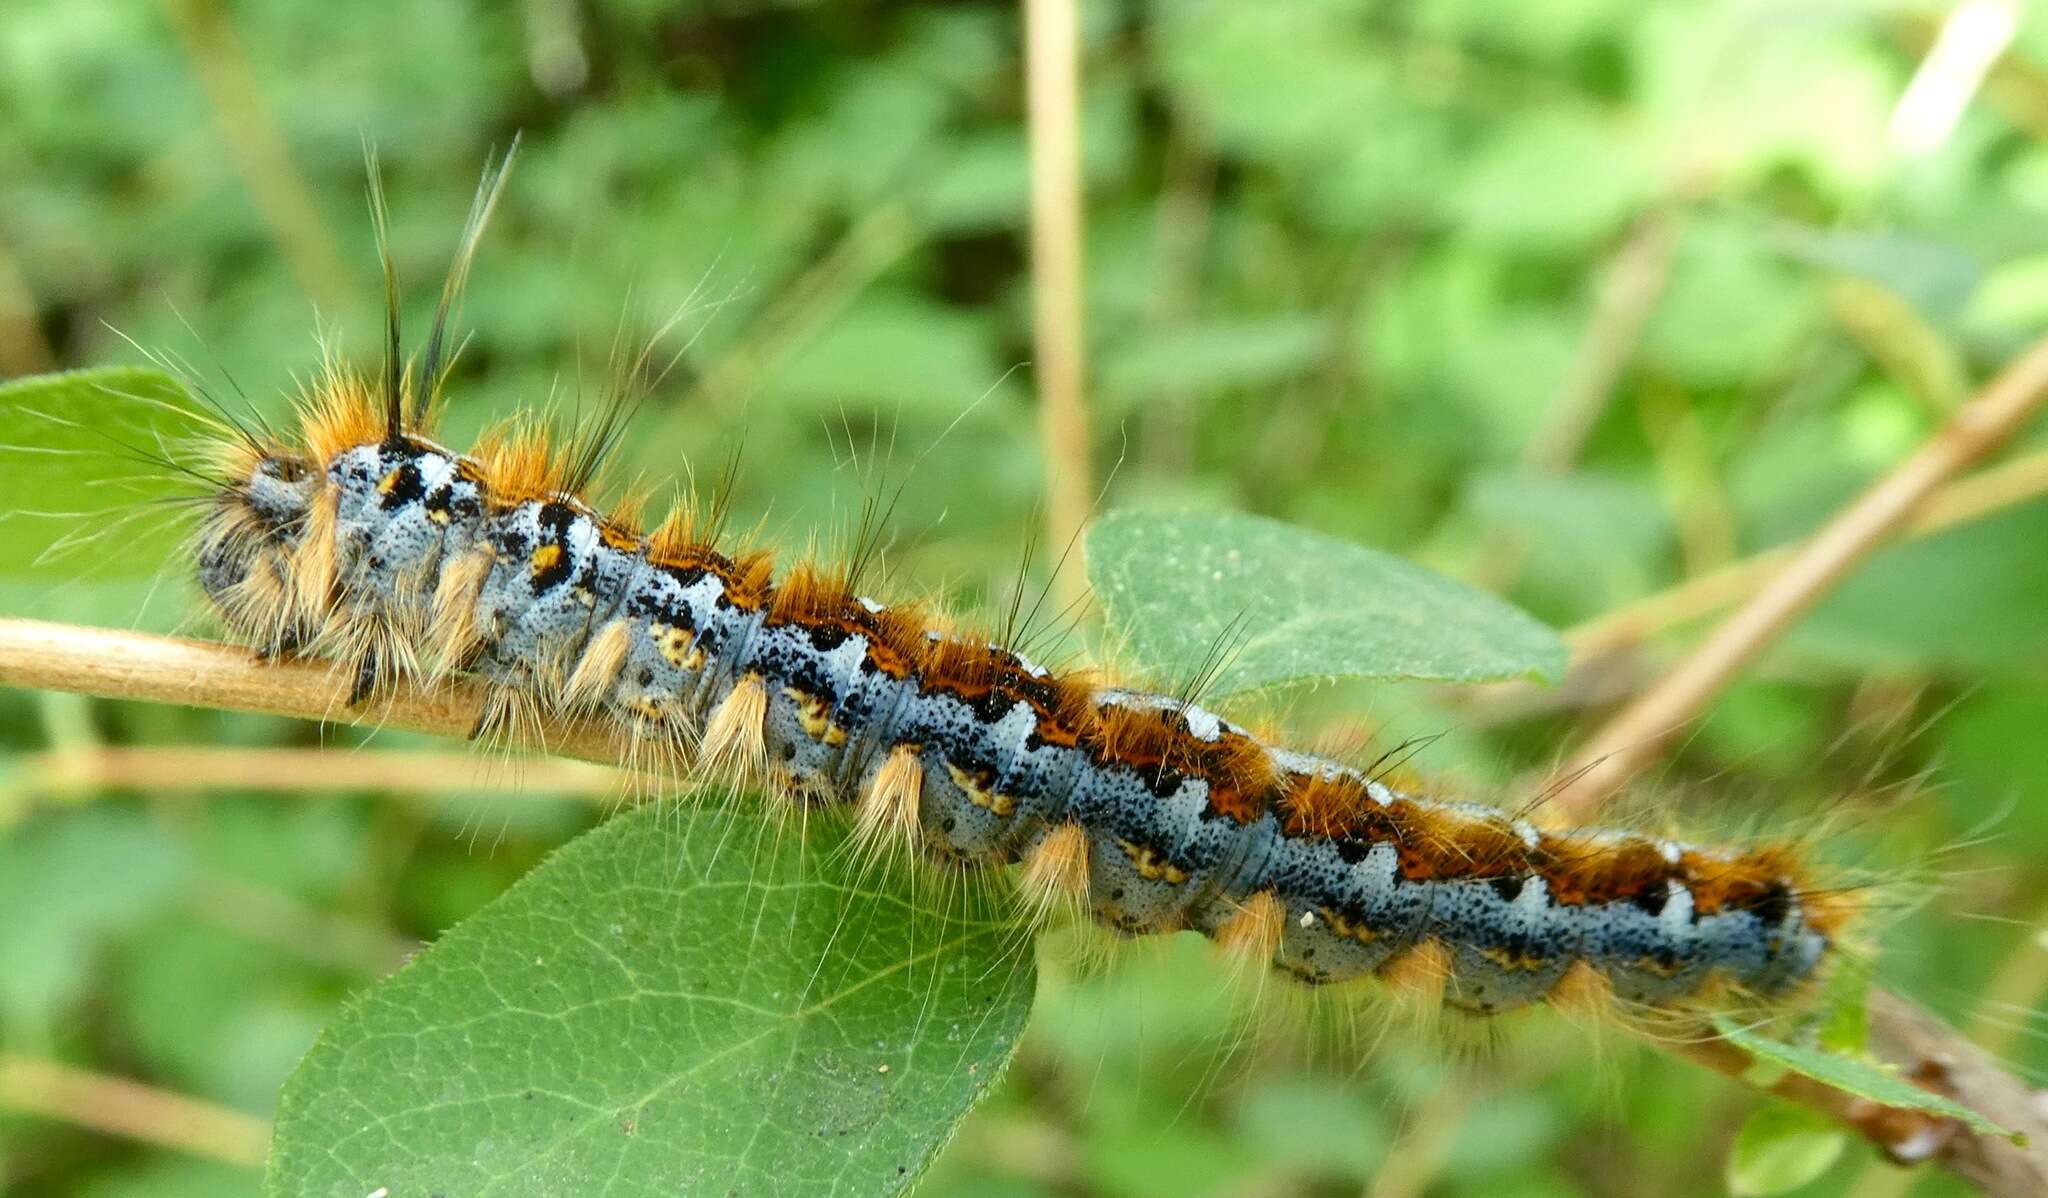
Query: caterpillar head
(256,521)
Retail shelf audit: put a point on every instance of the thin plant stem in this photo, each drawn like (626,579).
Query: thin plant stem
(23,348)
(807,304)
(278,919)
(117,1106)
(259,150)
(1052,69)
(1635,279)
(1933,1055)
(116,664)
(1991,490)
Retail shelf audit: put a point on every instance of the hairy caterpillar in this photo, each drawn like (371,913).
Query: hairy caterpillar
(364,541)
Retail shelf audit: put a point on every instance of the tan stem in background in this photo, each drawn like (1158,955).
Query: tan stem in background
(128,665)
(1635,277)
(1637,735)
(244,117)
(116,1106)
(1052,68)
(1598,645)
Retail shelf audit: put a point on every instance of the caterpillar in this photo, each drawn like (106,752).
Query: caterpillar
(362,539)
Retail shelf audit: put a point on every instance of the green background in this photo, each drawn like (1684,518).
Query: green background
(1343,266)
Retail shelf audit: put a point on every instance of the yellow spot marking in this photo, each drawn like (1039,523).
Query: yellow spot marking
(389,482)
(546,558)
(438,515)
(1517,962)
(678,646)
(977,787)
(1152,864)
(1341,925)
(815,714)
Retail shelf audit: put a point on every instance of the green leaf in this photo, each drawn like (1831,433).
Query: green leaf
(1781,1147)
(1206,357)
(81,499)
(693,1000)
(1853,1075)
(1285,605)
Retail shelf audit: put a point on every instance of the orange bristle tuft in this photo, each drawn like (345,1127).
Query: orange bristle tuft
(519,463)
(973,670)
(887,813)
(1055,870)
(733,736)
(1418,976)
(1312,805)
(812,598)
(599,667)
(1253,931)
(339,413)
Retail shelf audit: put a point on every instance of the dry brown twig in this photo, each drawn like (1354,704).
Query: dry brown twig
(1602,668)
(1997,487)
(133,665)
(249,130)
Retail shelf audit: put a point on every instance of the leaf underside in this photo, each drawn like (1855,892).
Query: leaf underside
(1853,1075)
(90,479)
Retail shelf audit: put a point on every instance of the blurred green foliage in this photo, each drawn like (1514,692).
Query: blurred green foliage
(1345,261)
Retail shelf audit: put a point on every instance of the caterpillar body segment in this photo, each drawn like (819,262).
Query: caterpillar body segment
(1153,813)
